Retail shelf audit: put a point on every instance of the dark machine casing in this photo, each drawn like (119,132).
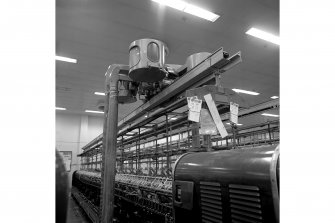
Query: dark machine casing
(240,185)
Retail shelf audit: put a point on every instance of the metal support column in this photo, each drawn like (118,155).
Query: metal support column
(178,139)
(188,134)
(233,128)
(122,151)
(167,142)
(110,133)
(138,149)
(195,137)
(208,143)
(156,153)
(269,130)
(96,159)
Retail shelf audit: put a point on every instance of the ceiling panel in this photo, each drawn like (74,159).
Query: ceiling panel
(98,34)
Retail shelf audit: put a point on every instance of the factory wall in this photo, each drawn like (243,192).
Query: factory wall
(73,131)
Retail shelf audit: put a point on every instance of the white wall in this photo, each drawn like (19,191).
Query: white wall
(73,132)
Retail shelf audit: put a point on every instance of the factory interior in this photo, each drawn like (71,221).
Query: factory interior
(173,111)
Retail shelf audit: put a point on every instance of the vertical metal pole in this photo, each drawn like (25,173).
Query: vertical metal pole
(269,133)
(136,143)
(138,150)
(96,159)
(234,136)
(156,153)
(85,162)
(104,136)
(167,141)
(110,153)
(208,142)
(121,161)
(253,139)
(188,134)
(178,139)
(195,136)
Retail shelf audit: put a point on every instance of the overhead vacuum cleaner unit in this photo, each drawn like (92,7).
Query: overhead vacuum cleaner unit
(194,59)
(147,60)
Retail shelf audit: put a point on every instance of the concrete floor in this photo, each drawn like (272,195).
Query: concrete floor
(75,214)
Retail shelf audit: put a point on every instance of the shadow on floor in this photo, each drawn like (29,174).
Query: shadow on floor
(75,214)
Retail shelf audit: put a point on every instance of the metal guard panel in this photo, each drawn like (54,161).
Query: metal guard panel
(246,178)
(238,166)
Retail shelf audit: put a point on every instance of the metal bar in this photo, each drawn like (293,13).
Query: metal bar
(175,113)
(176,124)
(255,109)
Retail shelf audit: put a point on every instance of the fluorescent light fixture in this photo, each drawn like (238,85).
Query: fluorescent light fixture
(274,97)
(59,108)
(190,9)
(66,59)
(263,35)
(271,115)
(174,118)
(236,124)
(91,111)
(176,4)
(245,92)
(99,93)
(202,13)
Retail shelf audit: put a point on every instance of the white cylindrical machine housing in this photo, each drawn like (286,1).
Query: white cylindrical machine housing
(147,60)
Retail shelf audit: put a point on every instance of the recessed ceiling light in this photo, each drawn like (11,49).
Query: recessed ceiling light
(99,93)
(66,59)
(271,115)
(274,97)
(59,108)
(91,111)
(263,35)
(189,8)
(245,92)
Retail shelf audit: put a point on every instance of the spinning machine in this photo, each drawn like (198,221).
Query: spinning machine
(195,184)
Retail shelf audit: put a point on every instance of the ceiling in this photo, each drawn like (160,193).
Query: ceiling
(98,34)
